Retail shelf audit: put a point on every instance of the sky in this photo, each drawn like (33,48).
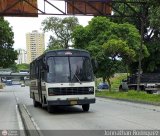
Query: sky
(23,25)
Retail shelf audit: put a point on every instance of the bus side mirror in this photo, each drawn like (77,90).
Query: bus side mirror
(95,65)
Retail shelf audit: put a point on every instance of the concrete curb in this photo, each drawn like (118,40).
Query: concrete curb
(30,127)
(20,123)
(133,101)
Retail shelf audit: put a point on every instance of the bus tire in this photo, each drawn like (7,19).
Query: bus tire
(85,107)
(35,103)
(49,108)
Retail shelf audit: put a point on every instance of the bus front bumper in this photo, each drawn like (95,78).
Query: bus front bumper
(71,102)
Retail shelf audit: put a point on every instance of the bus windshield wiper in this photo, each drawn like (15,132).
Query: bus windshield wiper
(74,74)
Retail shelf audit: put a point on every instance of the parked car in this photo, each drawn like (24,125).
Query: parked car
(103,85)
(8,82)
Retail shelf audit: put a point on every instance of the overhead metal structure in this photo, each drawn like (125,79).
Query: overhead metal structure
(34,8)
(10,74)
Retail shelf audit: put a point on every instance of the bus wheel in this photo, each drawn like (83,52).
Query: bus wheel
(49,108)
(35,103)
(85,107)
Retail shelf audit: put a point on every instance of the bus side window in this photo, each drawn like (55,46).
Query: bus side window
(42,75)
(36,72)
(31,71)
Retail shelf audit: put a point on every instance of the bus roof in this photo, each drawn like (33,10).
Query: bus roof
(64,52)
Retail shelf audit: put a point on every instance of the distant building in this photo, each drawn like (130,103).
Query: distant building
(35,45)
(22,56)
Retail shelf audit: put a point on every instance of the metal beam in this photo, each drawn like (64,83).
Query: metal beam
(62,10)
(9,74)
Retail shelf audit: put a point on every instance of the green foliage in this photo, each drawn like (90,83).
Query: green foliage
(14,67)
(152,63)
(62,31)
(154,13)
(151,14)
(132,95)
(108,42)
(7,53)
(118,48)
(116,80)
(23,66)
(54,44)
(121,67)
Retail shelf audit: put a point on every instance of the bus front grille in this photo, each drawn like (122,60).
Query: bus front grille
(71,91)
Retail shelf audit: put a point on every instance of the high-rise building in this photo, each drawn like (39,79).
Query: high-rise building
(22,56)
(35,45)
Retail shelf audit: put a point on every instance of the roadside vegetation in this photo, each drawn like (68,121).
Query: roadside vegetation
(131,95)
(115,81)
(7,52)
(112,41)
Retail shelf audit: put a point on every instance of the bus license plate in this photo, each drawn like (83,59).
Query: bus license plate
(73,102)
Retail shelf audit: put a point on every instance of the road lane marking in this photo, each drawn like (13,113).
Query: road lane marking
(17,99)
(19,119)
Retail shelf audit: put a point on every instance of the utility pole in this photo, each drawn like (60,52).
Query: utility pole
(142,19)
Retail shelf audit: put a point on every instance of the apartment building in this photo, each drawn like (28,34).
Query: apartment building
(22,56)
(35,45)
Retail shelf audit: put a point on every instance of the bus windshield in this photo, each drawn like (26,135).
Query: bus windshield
(69,69)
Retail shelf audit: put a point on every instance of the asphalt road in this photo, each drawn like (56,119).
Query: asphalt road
(105,114)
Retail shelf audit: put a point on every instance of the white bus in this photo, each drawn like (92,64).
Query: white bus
(62,77)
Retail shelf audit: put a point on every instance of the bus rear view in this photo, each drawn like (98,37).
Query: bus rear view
(63,77)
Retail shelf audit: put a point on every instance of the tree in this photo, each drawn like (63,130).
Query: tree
(23,66)
(151,14)
(7,53)
(152,63)
(14,67)
(62,31)
(154,14)
(114,49)
(109,42)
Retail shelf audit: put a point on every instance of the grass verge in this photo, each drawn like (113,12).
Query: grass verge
(131,95)
(115,81)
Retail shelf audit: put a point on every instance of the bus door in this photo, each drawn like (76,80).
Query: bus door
(39,84)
